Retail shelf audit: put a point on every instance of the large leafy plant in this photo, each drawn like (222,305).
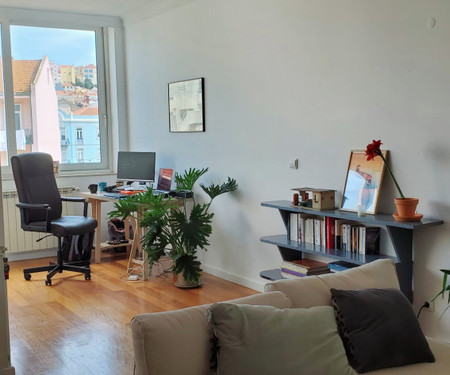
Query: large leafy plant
(171,227)
(445,288)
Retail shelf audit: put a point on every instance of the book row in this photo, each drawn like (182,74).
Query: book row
(334,233)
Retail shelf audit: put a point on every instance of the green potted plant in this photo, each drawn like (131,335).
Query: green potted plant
(171,227)
(445,288)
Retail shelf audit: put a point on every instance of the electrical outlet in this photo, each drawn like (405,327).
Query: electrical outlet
(430,308)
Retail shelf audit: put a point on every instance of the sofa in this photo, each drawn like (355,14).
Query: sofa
(183,341)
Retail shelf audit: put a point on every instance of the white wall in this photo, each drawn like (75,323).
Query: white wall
(306,79)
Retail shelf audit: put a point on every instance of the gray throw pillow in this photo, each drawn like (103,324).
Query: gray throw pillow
(265,340)
(379,329)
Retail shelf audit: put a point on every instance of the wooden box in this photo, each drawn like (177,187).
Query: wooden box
(316,199)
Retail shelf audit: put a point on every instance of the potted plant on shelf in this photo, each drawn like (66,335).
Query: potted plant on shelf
(171,227)
(406,207)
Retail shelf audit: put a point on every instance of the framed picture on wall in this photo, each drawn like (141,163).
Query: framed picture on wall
(363,182)
(186,109)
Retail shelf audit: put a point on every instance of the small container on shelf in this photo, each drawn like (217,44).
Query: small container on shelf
(321,199)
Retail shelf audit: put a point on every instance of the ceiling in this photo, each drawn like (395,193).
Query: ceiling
(100,7)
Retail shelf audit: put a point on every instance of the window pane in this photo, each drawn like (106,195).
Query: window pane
(55,93)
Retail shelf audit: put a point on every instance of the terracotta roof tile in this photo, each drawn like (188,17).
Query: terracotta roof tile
(87,111)
(24,72)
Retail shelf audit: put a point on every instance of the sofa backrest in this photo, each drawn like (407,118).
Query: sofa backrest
(315,290)
(179,342)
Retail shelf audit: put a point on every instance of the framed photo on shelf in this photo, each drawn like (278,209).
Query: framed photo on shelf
(186,109)
(363,182)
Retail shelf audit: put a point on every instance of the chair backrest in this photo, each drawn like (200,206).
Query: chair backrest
(36,184)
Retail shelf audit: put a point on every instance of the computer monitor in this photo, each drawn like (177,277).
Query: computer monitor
(136,166)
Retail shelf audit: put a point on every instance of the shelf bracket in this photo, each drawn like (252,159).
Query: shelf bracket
(403,242)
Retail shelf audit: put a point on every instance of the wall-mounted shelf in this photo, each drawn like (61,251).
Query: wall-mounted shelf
(400,233)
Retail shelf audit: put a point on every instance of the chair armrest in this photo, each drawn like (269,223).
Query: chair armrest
(77,200)
(34,206)
(73,199)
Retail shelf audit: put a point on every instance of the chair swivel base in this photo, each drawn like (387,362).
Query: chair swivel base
(82,267)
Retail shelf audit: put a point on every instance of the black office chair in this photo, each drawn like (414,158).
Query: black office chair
(40,207)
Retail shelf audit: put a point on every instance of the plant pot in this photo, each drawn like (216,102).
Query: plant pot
(406,209)
(182,283)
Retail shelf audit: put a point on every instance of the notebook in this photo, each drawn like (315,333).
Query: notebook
(164,180)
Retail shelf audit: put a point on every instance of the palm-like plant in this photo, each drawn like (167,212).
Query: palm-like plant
(171,225)
(445,288)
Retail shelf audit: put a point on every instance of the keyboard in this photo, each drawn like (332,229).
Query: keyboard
(114,195)
(157,192)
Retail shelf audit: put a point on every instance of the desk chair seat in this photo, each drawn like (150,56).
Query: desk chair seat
(40,207)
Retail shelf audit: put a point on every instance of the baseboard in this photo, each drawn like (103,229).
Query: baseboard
(32,254)
(249,283)
(7,371)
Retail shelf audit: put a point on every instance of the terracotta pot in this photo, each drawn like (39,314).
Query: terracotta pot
(182,283)
(406,207)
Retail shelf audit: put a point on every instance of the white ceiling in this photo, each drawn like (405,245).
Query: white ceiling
(102,7)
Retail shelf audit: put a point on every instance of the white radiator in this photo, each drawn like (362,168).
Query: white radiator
(16,239)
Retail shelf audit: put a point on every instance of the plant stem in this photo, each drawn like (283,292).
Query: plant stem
(392,175)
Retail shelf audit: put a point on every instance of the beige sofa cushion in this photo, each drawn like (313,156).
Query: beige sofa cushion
(441,351)
(265,340)
(315,290)
(179,342)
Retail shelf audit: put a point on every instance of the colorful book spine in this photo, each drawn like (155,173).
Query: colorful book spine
(293,227)
(330,232)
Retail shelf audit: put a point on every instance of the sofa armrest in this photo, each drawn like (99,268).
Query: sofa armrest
(179,342)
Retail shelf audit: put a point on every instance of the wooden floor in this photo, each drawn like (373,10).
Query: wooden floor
(82,327)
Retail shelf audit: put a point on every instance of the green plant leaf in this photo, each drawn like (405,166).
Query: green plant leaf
(189,266)
(154,211)
(189,178)
(193,232)
(214,190)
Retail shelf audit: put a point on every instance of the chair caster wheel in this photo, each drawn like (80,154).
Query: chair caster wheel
(48,282)
(87,276)
(27,276)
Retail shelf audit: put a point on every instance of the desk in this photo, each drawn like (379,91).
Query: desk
(96,201)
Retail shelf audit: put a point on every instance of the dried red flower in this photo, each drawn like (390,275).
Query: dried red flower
(373,149)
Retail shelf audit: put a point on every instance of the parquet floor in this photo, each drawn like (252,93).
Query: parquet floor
(78,327)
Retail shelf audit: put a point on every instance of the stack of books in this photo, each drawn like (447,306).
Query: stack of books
(340,265)
(302,268)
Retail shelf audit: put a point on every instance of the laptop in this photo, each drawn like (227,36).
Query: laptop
(164,181)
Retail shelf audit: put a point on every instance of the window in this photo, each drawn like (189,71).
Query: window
(79,134)
(43,93)
(17,116)
(80,155)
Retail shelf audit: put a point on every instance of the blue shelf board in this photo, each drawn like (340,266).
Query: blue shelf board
(310,248)
(378,219)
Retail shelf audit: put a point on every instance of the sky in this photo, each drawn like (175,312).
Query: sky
(63,46)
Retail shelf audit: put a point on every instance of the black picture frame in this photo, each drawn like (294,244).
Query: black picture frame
(186,106)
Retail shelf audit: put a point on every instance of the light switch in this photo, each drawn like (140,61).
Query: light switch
(293,163)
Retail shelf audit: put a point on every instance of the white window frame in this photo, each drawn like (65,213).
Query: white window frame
(110,80)
(79,134)
(80,153)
